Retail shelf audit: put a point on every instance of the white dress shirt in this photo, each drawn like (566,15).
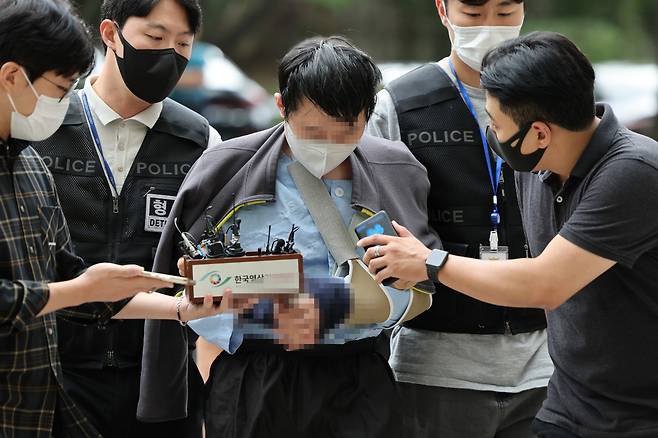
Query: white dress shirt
(121,138)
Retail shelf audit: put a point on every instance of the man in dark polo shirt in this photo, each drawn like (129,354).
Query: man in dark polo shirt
(591,218)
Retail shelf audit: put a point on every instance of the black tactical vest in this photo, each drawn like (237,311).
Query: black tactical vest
(440,131)
(123,230)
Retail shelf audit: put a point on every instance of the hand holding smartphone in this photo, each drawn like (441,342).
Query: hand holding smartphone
(380,223)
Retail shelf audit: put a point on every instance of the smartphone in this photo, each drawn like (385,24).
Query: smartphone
(380,223)
(169,278)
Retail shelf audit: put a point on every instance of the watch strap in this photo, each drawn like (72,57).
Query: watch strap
(435,262)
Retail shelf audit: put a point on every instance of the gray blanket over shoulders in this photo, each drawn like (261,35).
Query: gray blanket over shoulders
(385,176)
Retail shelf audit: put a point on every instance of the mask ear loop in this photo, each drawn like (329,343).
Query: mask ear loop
(520,136)
(11,100)
(121,38)
(29,82)
(445,8)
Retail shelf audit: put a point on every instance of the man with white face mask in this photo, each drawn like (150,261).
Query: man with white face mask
(466,368)
(43,50)
(341,387)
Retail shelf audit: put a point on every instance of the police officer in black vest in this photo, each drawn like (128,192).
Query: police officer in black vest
(466,368)
(118,160)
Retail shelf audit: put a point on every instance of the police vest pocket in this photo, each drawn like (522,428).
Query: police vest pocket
(50,218)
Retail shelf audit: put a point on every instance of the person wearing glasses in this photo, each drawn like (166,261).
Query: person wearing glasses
(66,90)
(118,160)
(43,51)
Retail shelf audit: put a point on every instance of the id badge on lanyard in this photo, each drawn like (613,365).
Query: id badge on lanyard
(493,251)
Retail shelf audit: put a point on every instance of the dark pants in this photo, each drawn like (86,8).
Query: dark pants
(108,397)
(431,411)
(273,393)
(547,430)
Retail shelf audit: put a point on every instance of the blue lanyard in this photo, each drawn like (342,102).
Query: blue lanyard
(495,180)
(97,140)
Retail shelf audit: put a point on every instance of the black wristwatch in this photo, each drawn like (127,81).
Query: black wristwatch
(435,262)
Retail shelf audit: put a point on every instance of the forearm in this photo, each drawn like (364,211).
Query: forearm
(149,306)
(510,283)
(560,271)
(64,294)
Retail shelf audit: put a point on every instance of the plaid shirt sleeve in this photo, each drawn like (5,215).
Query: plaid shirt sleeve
(23,214)
(35,250)
(20,302)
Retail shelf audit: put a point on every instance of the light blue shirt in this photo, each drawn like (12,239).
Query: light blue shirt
(225,330)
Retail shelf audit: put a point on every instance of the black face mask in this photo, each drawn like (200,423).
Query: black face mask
(510,151)
(150,74)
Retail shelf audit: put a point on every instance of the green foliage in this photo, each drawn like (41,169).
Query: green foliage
(600,40)
(257,32)
(334,4)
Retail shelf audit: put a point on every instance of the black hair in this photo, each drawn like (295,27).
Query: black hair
(333,74)
(44,35)
(121,10)
(541,76)
(479,2)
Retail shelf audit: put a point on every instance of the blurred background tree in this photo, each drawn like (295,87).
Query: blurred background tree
(256,33)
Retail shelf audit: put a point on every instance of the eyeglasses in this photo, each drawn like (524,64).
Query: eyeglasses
(67,91)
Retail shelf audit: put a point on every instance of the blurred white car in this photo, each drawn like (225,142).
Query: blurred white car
(232,102)
(631,90)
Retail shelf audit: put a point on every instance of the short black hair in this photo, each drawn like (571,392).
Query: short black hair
(333,74)
(44,35)
(541,76)
(121,10)
(479,2)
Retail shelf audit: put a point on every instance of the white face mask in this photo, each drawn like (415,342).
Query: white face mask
(44,121)
(472,43)
(318,157)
